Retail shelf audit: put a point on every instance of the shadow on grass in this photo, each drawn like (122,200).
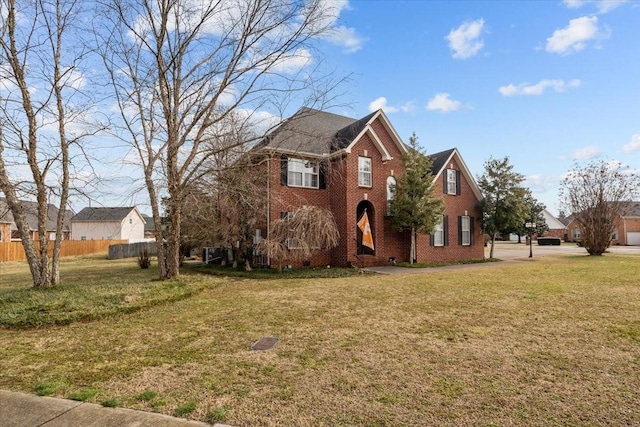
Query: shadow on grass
(269,273)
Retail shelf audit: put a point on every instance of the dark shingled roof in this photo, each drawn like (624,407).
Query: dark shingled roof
(102,214)
(314,132)
(31,213)
(439,160)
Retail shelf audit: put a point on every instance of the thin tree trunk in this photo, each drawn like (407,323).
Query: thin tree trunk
(493,241)
(413,245)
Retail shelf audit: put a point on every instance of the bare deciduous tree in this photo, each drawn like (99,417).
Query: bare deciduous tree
(300,235)
(180,68)
(597,195)
(39,59)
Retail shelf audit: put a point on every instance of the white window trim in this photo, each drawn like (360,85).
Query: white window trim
(451,181)
(306,171)
(466,231)
(363,173)
(438,234)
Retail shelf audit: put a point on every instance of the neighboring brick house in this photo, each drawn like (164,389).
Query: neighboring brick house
(105,223)
(347,165)
(9,231)
(627,231)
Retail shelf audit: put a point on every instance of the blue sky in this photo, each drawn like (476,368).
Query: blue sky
(547,83)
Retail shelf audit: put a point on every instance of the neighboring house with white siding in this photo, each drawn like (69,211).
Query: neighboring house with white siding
(121,223)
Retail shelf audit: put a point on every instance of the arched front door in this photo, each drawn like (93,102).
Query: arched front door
(365,206)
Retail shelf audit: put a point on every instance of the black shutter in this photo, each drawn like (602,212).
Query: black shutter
(432,240)
(322,176)
(283,170)
(444,181)
(460,230)
(472,233)
(458,183)
(445,230)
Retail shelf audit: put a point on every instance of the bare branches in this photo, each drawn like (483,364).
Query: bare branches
(597,195)
(183,72)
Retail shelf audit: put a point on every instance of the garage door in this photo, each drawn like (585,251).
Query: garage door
(633,238)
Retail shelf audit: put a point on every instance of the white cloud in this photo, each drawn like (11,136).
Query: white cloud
(586,153)
(443,103)
(328,13)
(603,6)
(7,83)
(574,37)
(538,88)
(290,64)
(381,103)
(346,37)
(465,40)
(634,145)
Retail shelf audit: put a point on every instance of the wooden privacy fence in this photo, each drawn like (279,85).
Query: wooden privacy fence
(13,251)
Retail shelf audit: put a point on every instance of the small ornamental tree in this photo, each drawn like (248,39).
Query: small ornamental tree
(598,195)
(502,206)
(531,213)
(414,206)
(299,236)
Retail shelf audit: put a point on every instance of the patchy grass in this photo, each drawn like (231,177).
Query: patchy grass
(444,264)
(91,289)
(551,341)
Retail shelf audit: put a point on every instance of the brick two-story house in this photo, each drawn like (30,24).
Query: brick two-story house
(348,166)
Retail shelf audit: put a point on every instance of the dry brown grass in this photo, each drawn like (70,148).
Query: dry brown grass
(553,341)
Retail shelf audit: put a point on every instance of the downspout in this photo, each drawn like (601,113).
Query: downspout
(268,205)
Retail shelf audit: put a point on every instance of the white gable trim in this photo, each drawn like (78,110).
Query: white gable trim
(465,171)
(368,129)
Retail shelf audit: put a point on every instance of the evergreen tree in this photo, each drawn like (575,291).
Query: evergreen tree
(503,203)
(414,206)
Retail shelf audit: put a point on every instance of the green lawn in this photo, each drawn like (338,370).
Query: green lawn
(549,341)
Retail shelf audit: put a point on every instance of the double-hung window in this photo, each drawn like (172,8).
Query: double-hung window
(302,173)
(465,230)
(364,171)
(438,234)
(452,184)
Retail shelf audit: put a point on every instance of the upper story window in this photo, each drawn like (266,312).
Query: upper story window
(451,182)
(364,171)
(302,173)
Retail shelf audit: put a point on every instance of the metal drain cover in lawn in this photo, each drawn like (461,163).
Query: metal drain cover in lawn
(265,343)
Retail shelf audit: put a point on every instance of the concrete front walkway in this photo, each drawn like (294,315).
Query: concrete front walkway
(26,410)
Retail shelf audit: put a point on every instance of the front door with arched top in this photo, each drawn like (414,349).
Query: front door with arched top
(363,248)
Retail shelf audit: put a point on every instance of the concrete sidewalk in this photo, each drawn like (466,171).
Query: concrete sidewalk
(26,410)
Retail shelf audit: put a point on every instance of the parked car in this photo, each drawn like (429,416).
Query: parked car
(542,241)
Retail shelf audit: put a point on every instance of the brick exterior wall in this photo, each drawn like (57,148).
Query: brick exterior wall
(343,195)
(625,226)
(456,205)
